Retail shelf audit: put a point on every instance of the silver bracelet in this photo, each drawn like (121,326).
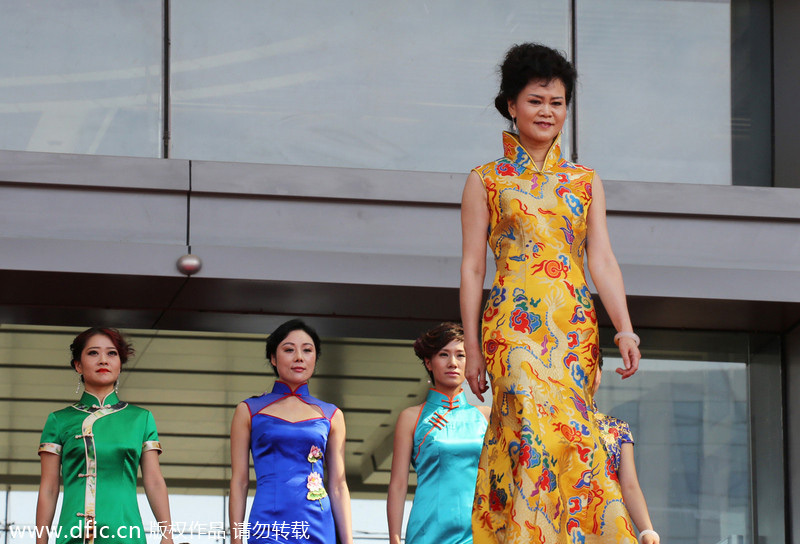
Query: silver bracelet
(649,531)
(626,334)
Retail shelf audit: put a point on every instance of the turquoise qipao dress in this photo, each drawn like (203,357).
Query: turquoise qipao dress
(448,438)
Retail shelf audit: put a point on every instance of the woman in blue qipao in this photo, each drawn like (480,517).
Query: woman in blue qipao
(295,439)
(442,439)
(617,440)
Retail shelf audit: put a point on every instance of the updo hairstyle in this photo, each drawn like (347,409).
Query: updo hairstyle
(431,342)
(123,347)
(527,62)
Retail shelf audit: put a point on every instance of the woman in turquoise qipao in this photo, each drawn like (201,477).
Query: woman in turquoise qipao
(97,446)
(442,439)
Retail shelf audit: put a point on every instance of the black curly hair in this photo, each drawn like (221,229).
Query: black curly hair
(527,62)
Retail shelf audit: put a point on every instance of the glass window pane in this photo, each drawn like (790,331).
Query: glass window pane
(198,519)
(654,92)
(21,519)
(390,85)
(689,421)
(369,520)
(82,77)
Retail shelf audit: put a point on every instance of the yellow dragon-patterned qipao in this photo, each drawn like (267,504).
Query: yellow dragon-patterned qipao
(542,476)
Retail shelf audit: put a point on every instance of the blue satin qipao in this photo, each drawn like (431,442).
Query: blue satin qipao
(291,504)
(448,438)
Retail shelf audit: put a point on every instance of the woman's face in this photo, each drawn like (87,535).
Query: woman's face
(540,110)
(295,358)
(100,364)
(448,365)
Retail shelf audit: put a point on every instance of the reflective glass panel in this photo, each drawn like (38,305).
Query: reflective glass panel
(21,511)
(81,77)
(688,411)
(689,421)
(654,90)
(389,85)
(196,519)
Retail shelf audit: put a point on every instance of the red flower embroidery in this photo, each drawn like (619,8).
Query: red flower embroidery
(520,321)
(525,455)
(544,481)
(506,169)
(569,433)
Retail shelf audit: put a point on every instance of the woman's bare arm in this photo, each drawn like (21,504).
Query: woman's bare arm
(632,494)
(337,480)
(401,459)
(156,490)
(607,277)
(49,485)
(474,234)
(240,470)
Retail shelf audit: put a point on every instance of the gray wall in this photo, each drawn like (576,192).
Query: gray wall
(373,248)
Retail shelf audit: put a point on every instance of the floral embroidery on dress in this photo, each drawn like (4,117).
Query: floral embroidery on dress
(314,455)
(316,491)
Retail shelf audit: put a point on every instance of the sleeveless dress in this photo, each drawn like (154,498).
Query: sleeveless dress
(541,476)
(101,445)
(291,504)
(447,443)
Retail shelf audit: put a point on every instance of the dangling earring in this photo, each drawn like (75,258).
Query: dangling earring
(514,124)
(80,383)
(116,386)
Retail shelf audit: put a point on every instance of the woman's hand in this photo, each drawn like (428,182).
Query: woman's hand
(166,534)
(649,539)
(476,372)
(630,357)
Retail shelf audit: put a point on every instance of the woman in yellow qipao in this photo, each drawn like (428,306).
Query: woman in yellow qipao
(540,477)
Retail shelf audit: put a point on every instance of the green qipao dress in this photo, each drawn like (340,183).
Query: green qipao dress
(101,445)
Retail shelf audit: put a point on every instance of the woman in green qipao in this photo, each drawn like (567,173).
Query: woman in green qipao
(97,446)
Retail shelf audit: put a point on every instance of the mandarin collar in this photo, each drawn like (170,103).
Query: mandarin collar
(513,151)
(89,400)
(282,388)
(459,400)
